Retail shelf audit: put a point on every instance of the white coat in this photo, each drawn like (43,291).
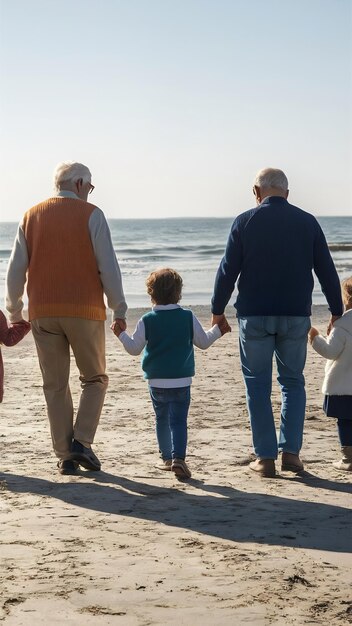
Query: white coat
(337,348)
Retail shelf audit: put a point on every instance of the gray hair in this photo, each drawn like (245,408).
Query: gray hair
(70,172)
(270,178)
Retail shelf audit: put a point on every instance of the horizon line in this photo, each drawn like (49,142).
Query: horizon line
(179,217)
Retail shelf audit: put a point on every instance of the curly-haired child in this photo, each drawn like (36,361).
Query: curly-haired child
(167,334)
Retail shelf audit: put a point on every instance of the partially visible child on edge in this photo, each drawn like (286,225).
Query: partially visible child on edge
(337,385)
(167,334)
(9,336)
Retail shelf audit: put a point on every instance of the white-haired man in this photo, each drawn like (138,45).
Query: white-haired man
(273,249)
(63,251)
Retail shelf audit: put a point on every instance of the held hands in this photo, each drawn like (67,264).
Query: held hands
(222,322)
(333,319)
(224,326)
(21,324)
(118,326)
(312,333)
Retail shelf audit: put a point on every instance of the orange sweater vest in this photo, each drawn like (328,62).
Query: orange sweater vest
(63,277)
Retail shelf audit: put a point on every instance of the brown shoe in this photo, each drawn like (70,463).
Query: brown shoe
(264,467)
(165,464)
(181,469)
(67,467)
(291,463)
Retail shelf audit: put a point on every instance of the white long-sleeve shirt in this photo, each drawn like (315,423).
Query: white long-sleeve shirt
(135,343)
(108,267)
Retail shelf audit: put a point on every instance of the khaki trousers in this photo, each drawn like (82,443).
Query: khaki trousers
(53,337)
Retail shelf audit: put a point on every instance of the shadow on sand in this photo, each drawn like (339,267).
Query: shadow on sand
(214,510)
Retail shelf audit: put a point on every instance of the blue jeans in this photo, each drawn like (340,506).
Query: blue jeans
(171,411)
(262,337)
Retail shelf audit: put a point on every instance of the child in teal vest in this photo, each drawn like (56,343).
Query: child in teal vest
(167,334)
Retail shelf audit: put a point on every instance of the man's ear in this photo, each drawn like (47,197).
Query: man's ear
(256,192)
(287,192)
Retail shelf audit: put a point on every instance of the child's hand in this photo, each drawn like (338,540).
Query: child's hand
(22,324)
(12,334)
(312,333)
(224,326)
(118,326)
(116,329)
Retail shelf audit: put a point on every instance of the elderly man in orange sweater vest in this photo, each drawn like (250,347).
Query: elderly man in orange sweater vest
(63,251)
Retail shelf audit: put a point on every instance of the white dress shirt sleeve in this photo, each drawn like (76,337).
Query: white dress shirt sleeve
(204,338)
(110,274)
(16,277)
(134,344)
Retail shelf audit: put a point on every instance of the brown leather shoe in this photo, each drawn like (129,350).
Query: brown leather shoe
(291,463)
(180,468)
(67,467)
(264,467)
(165,465)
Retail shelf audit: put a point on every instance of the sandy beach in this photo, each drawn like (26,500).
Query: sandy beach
(132,545)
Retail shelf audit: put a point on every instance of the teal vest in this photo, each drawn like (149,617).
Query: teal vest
(169,350)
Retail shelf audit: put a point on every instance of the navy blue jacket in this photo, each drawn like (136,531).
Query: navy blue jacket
(273,249)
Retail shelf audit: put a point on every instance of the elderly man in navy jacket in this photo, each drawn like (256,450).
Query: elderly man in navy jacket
(273,250)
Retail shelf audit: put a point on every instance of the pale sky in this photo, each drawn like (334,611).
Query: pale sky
(175,104)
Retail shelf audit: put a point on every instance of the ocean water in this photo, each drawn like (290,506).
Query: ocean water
(192,246)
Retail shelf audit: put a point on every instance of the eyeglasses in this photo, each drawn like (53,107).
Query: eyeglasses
(91,188)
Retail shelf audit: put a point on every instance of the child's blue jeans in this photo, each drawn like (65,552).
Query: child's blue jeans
(171,411)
